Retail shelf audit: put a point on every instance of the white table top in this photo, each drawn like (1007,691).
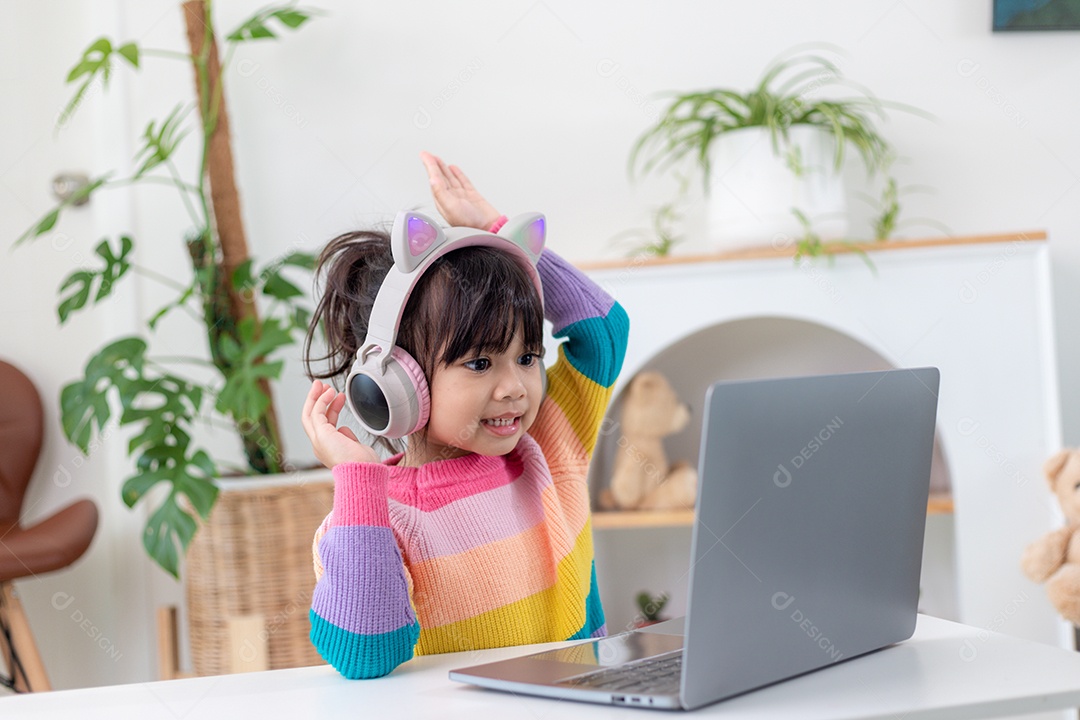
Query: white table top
(946,671)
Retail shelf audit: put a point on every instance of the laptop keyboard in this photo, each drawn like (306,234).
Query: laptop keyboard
(658,675)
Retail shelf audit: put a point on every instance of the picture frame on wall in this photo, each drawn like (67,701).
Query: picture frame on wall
(1019,15)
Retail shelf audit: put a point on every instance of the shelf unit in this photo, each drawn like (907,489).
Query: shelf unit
(979,308)
(831,249)
(939,504)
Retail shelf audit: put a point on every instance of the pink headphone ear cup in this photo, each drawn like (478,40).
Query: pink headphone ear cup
(391,401)
(419,387)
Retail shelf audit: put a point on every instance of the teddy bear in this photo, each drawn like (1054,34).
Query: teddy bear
(642,478)
(1055,558)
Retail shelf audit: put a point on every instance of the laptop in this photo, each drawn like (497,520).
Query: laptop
(806,551)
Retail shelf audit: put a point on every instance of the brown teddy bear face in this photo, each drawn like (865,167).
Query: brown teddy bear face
(651,407)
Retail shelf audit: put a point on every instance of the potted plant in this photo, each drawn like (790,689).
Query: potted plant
(768,152)
(249,314)
(650,608)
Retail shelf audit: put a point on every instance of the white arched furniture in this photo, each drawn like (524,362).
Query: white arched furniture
(977,308)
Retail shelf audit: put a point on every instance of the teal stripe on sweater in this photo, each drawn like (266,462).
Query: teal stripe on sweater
(598,345)
(362,656)
(594,611)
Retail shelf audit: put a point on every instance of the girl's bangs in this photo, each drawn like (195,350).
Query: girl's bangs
(479,299)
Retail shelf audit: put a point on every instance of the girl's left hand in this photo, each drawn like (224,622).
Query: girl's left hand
(455,197)
(332,445)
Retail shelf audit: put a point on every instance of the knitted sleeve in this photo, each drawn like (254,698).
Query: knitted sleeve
(579,388)
(580,381)
(362,619)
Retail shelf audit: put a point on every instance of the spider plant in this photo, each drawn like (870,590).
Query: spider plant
(779,101)
(888,207)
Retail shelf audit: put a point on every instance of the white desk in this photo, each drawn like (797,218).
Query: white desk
(946,671)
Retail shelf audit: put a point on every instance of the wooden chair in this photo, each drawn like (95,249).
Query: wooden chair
(51,544)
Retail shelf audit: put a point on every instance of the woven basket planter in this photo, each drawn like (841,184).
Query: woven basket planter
(249,566)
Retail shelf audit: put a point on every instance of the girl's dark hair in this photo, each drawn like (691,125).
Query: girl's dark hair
(472,299)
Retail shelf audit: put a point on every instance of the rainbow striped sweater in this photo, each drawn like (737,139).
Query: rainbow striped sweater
(478,551)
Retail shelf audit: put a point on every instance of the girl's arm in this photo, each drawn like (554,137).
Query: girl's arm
(594,324)
(596,329)
(566,429)
(362,620)
(579,388)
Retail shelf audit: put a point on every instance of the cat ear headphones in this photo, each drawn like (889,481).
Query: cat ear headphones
(386,388)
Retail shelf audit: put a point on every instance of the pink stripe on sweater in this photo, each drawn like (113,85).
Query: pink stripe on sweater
(454,588)
(360,495)
(493,575)
(507,511)
(442,482)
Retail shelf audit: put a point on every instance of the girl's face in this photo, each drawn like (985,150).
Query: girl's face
(482,403)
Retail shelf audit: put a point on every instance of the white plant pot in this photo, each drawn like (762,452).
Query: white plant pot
(753,189)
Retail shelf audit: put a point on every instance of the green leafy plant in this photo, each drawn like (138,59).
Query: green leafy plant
(784,97)
(810,244)
(658,240)
(888,206)
(663,235)
(780,100)
(885,224)
(650,606)
(150,395)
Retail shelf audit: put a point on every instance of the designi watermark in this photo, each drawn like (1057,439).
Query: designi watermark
(783,477)
(61,601)
(782,601)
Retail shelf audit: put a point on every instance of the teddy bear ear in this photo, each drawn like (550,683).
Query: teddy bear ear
(1054,465)
(646,378)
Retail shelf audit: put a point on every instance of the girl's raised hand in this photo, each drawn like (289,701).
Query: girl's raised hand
(455,197)
(332,445)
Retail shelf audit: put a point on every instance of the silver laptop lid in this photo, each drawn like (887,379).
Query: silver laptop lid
(807,546)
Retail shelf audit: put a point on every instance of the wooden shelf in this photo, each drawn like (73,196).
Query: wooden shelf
(767,252)
(619,519)
(939,504)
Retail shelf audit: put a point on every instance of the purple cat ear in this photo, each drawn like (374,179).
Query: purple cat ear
(534,235)
(413,238)
(529,232)
(421,235)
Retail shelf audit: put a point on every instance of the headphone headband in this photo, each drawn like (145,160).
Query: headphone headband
(386,388)
(417,242)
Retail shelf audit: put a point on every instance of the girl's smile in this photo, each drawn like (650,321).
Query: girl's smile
(483,403)
(503,426)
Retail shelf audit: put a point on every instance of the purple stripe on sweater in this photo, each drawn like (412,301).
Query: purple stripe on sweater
(599,632)
(362,564)
(569,296)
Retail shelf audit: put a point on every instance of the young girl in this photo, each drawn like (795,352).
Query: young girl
(478,535)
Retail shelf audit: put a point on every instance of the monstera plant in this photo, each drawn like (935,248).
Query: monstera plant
(248,313)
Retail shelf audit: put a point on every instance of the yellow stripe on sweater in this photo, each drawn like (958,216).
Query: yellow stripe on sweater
(581,400)
(454,587)
(552,614)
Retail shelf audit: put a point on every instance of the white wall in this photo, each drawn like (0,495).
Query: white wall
(540,102)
